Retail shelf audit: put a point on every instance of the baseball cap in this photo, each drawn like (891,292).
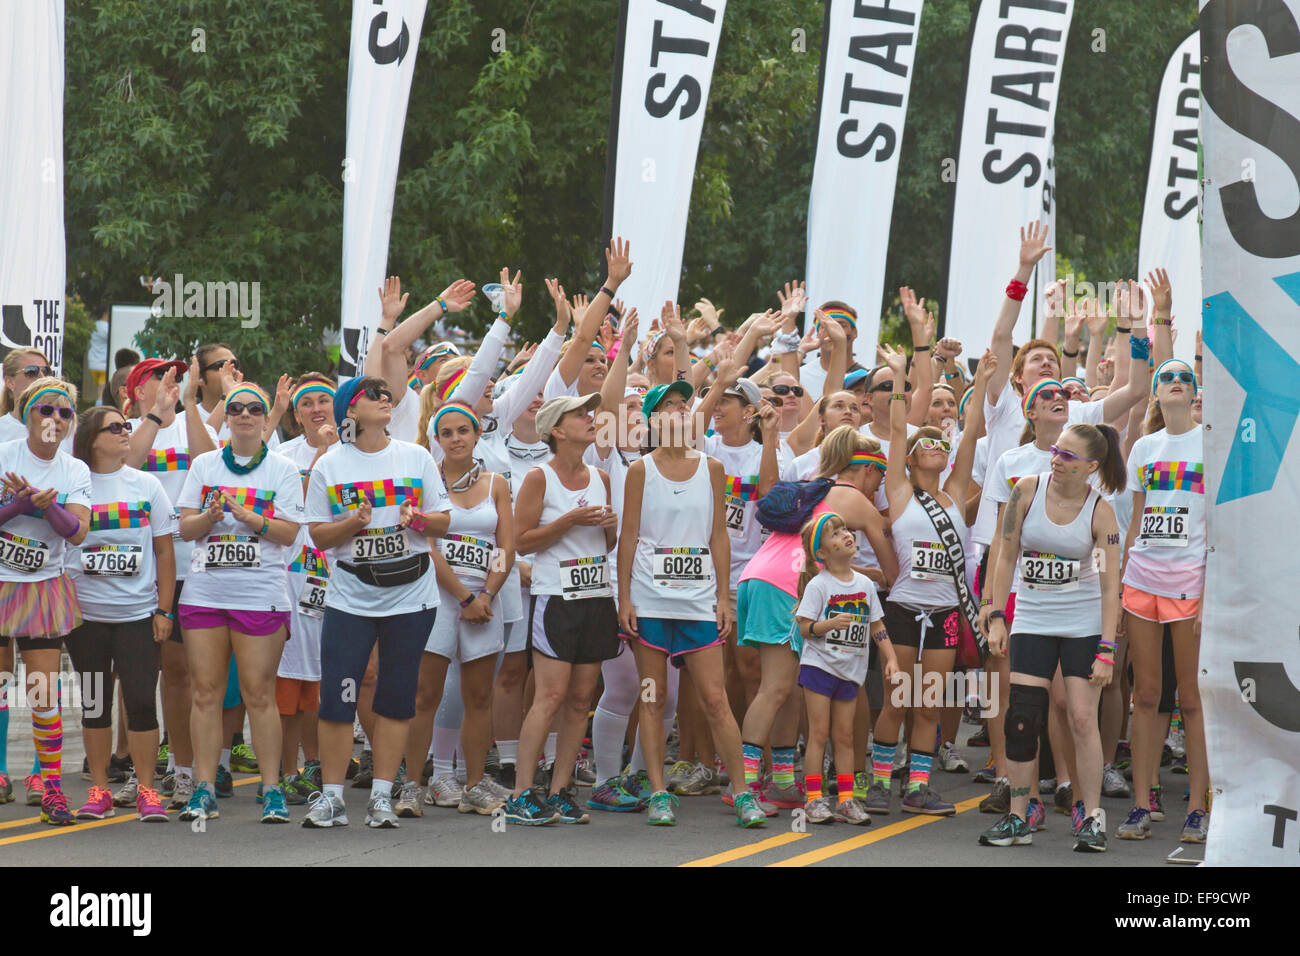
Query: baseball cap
(746,391)
(147,367)
(656,395)
(549,415)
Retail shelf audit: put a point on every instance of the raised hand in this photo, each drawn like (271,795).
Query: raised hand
(948,349)
(191,381)
(769,323)
(1162,292)
(458,295)
(514,292)
(562,311)
(709,312)
(913,309)
(835,335)
(895,358)
(168,393)
(628,329)
(1055,299)
(617,264)
(283,390)
(697,330)
(1074,316)
(987,366)
(580,304)
(793,298)
(1033,244)
(391,299)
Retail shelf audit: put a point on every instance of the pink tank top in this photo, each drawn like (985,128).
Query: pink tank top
(780,559)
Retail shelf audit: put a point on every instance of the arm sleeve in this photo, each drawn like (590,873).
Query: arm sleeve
(531,380)
(470,389)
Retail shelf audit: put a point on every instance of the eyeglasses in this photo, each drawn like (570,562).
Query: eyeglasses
(117,428)
(930,444)
(235,409)
(1067,456)
(376,392)
(1051,394)
(774,401)
(887,387)
(220,364)
(796,390)
(37,371)
(1187,378)
(49,411)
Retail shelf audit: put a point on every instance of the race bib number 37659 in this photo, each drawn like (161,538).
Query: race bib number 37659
(22,554)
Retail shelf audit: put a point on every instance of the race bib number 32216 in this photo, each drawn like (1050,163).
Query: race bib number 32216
(1164,527)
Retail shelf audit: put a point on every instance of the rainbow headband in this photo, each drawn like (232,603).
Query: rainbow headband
(49,390)
(460,407)
(449,386)
(1154,375)
(840,314)
(1075,378)
(252,390)
(433,353)
(652,343)
(961,406)
(818,526)
(868,458)
(309,388)
(1033,393)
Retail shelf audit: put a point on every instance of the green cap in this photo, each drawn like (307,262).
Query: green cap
(656,395)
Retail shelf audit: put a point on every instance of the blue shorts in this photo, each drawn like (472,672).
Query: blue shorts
(828,685)
(677,638)
(345,644)
(765,615)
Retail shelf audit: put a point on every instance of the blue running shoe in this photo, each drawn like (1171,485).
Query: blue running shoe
(1036,816)
(613,796)
(567,808)
(1137,826)
(530,809)
(273,807)
(202,805)
(224,785)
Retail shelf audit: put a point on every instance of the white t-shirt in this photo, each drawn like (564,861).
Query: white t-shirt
(405,421)
(308,582)
(114,569)
(400,471)
(169,461)
(843,653)
(30,550)
(233,565)
(555,386)
(1168,554)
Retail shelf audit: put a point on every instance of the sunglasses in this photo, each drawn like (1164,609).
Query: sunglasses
(1067,456)
(49,411)
(930,444)
(37,371)
(235,409)
(774,401)
(221,364)
(1187,378)
(796,390)
(887,387)
(1052,394)
(375,393)
(117,428)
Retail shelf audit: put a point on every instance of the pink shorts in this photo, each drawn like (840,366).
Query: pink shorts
(252,623)
(1155,607)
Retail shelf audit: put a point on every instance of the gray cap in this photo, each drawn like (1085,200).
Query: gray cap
(746,391)
(549,415)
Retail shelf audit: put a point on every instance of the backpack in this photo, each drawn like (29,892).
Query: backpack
(790,504)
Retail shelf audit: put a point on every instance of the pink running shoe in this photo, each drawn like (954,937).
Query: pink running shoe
(99,804)
(148,806)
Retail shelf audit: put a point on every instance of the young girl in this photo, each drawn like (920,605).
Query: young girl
(837,605)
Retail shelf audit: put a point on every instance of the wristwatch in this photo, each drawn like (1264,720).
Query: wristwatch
(167,614)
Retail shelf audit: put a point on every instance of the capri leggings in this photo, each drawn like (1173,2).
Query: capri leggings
(98,649)
(345,644)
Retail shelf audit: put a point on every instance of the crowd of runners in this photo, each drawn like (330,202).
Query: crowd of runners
(646,560)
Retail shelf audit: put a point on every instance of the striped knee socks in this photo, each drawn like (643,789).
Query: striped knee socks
(882,762)
(753,755)
(47,733)
(920,774)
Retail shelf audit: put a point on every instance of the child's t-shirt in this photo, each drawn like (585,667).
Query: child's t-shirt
(842,653)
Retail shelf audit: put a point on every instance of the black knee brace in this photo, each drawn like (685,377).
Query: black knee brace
(1026,717)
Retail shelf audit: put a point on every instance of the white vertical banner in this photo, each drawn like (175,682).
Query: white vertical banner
(33,254)
(1171,222)
(385,37)
(1045,271)
(1250,658)
(867,58)
(1013,77)
(662,75)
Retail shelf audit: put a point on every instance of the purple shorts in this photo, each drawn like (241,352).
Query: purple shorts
(828,685)
(252,623)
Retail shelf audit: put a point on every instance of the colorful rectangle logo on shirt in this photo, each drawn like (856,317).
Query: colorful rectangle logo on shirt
(257,500)
(745,488)
(167,459)
(382,494)
(1174,476)
(119,514)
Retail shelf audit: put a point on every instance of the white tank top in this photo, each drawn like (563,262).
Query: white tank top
(672,574)
(471,539)
(924,578)
(576,566)
(1060,591)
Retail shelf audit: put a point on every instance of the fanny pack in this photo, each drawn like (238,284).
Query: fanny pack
(951,542)
(390,574)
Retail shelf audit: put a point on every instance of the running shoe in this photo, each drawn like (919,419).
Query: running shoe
(408,802)
(661,806)
(902,766)
(1113,783)
(1091,835)
(54,808)
(678,774)
(819,810)
(1035,815)
(358,732)
(1078,813)
(311,775)
(970,714)
(202,805)
(769,810)
(1047,784)
(531,809)
(1010,830)
(494,788)
(700,781)
(399,778)
(1177,741)
(164,755)
(364,778)
(379,813)
(638,784)
(35,790)
(1123,754)
(148,805)
(748,811)
(274,809)
(325,811)
(612,795)
(99,804)
(182,790)
(168,785)
(861,784)
(224,785)
(1166,756)
(786,798)
(85,770)
(119,768)
(1155,805)
(584,774)
(296,789)
(243,760)
(1196,827)
(877,799)
(444,792)
(951,761)
(926,800)
(1136,826)
(1064,798)
(562,803)
(720,772)
(6,789)
(852,812)
(999,800)
(979,739)
(542,775)
(1179,764)
(987,773)
(480,798)
(126,796)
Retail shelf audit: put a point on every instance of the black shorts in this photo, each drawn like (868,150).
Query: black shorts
(576,632)
(941,633)
(1038,654)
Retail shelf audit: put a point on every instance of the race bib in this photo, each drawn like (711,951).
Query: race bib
(930,561)
(227,551)
(1164,527)
(469,557)
(312,600)
(112,560)
(1048,572)
(585,578)
(22,554)
(735,513)
(680,567)
(379,544)
(853,637)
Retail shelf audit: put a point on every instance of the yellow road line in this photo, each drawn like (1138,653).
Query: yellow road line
(19,823)
(866,839)
(749,849)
